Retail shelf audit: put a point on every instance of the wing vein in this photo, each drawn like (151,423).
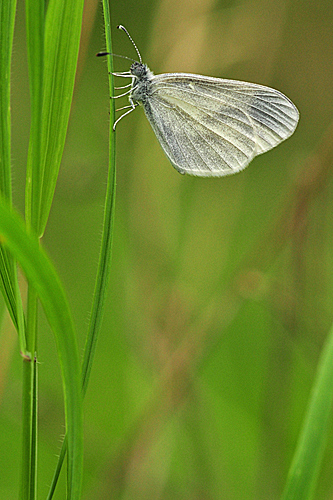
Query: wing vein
(217,119)
(183,114)
(255,97)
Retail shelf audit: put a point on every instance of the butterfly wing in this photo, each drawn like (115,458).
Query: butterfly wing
(215,127)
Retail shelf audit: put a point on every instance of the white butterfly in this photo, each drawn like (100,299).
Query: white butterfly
(209,126)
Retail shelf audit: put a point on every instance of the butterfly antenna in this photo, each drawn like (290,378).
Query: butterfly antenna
(121,27)
(103,53)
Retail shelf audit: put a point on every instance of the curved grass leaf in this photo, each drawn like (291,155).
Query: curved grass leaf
(305,467)
(42,275)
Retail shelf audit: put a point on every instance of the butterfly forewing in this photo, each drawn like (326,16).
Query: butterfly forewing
(210,126)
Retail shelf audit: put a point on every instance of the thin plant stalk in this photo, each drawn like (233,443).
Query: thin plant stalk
(104,265)
(35,19)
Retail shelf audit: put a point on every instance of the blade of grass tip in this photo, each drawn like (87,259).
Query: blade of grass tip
(305,467)
(61,48)
(41,273)
(35,47)
(104,264)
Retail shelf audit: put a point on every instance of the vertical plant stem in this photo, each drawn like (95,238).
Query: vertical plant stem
(104,264)
(34,441)
(35,46)
(29,416)
(27,412)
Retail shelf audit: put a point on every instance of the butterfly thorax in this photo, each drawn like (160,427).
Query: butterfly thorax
(141,88)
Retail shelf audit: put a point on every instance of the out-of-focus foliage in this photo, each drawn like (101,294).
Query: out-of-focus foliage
(221,292)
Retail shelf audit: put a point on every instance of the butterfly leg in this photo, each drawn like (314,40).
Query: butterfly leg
(121,95)
(124,74)
(124,87)
(132,106)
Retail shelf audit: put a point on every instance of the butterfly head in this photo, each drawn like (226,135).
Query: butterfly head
(140,71)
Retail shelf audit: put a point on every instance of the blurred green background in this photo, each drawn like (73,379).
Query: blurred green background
(221,291)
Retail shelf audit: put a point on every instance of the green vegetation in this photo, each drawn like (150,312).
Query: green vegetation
(212,375)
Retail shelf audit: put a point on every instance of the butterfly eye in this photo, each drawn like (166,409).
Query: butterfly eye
(138,69)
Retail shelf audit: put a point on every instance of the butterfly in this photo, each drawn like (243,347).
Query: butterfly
(208,126)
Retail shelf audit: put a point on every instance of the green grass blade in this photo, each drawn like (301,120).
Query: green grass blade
(35,44)
(7,268)
(42,275)
(62,38)
(7,18)
(57,471)
(305,467)
(104,264)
